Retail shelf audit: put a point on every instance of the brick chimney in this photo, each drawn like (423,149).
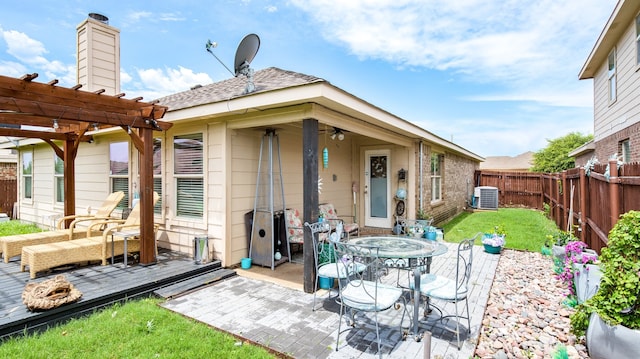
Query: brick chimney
(98,55)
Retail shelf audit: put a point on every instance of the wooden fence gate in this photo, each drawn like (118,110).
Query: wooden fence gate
(8,196)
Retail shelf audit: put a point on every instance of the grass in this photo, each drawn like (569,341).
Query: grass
(526,228)
(136,329)
(17,227)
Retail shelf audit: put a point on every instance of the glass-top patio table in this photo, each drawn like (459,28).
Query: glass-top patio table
(417,254)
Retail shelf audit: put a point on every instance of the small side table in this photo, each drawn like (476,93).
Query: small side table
(125,235)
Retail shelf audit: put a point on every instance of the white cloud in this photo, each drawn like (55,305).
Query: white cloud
(24,48)
(155,83)
(31,55)
(515,43)
(12,69)
(137,16)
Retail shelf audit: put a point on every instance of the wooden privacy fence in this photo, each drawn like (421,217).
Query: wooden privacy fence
(587,202)
(8,196)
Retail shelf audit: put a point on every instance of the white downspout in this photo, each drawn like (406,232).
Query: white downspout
(420,171)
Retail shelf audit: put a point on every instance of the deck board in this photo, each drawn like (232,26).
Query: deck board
(100,285)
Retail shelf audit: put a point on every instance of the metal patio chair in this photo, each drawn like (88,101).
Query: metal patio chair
(452,290)
(360,292)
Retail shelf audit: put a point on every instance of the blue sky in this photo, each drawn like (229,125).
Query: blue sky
(498,77)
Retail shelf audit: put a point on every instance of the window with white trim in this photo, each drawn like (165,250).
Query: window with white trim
(188,170)
(27,174)
(613,92)
(436,176)
(119,171)
(157,173)
(58,178)
(625,150)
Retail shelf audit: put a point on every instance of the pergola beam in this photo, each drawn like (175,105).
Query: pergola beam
(65,114)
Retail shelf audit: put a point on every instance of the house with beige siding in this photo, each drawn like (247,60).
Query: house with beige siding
(613,65)
(206,165)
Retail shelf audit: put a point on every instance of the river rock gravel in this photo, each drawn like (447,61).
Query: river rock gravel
(525,317)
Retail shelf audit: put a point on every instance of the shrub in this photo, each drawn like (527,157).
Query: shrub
(616,302)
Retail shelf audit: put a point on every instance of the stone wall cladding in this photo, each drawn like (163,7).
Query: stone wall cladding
(457,185)
(8,171)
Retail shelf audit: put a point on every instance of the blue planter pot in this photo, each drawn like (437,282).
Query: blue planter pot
(325,283)
(492,249)
(245,263)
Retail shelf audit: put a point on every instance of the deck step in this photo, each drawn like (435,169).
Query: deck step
(195,282)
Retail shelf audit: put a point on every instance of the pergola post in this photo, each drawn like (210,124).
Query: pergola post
(69,159)
(147,234)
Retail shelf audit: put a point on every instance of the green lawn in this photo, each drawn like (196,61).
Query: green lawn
(136,329)
(16,227)
(526,228)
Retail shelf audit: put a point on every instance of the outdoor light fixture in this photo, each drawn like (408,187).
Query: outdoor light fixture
(95,126)
(129,129)
(55,124)
(337,133)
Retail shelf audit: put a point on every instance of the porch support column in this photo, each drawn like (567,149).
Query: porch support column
(147,234)
(309,195)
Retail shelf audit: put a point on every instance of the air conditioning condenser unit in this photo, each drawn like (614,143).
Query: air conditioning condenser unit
(486,197)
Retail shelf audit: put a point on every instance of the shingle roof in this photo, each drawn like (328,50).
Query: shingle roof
(265,80)
(521,162)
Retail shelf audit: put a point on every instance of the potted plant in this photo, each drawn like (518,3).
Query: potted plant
(493,242)
(557,243)
(576,272)
(611,318)
(422,216)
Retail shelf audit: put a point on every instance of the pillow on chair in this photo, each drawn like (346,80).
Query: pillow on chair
(295,229)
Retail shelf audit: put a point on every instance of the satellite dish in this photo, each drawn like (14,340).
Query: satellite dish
(245,53)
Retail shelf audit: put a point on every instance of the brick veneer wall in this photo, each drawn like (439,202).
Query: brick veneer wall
(457,185)
(611,144)
(8,171)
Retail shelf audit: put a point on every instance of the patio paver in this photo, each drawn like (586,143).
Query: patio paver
(281,318)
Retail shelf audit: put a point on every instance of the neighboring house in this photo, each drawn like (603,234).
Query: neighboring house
(206,164)
(520,163)
(613,65)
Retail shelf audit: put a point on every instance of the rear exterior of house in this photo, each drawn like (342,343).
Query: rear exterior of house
(206,164)
(613,65)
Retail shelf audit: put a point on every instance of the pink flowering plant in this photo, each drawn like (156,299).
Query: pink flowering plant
(575,255)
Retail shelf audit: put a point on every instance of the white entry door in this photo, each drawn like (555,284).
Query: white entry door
(377,189)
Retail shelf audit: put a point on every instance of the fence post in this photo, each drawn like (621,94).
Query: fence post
(583,205)
(565,206)
(614,204)
(541,181)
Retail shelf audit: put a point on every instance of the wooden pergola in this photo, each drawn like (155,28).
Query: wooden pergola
(52,113)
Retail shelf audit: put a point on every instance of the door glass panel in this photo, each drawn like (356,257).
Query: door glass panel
(378,165)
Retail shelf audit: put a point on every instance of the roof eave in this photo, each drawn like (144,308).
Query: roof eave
(624,12)
(325,94)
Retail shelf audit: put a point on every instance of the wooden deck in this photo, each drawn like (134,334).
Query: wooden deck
(173,273)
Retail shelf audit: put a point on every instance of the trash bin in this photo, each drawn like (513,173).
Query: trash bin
(201,249)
